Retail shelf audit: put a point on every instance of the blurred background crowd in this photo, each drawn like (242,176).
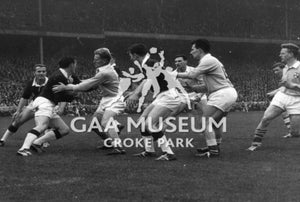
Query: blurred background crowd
(117,25)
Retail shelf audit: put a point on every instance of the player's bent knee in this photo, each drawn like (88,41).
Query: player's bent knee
(35,132)
(266,120)
(145,133)
(13,128)
(61,132)
(103,123)
(157,135)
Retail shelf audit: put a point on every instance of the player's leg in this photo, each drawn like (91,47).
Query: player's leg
(287,123)
(154,125)
(61,129)
(26,114)
(271,113)
(218,103)
(98,116)
(108,109)
(41,123)
(149,150)
(145,91)
(295,125)
(293,110)
(212,149)
(100,132)
(109,125)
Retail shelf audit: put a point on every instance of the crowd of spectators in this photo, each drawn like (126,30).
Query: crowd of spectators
(252,81)
(227,18)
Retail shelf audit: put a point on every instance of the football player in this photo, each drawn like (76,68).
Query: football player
(25,111)
(220,91)
(112,101)
(44,106)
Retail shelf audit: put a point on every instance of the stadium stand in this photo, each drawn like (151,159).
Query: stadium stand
(247,65)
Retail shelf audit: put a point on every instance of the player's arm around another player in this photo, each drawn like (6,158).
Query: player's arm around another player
(221,94)
(31,90)
(288,100)
(111,103)
(45,104)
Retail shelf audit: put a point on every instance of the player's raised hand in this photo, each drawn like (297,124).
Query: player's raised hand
(59,88)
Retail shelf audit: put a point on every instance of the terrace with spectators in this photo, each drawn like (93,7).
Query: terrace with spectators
(247,64)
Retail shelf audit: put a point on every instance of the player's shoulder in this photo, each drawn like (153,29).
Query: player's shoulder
(55,73)
(56,76)
(29,82)
(211,60)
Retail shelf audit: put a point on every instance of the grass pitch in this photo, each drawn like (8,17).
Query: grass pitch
(73,170)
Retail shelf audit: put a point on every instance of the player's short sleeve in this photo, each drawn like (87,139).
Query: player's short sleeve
(27,92)
(205,66)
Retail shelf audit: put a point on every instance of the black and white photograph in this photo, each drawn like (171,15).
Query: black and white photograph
(150,100)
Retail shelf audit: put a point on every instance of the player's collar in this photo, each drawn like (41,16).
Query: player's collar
(64,72)
(34,83)
(187,69)
(99,69)
(295,65)
(147,56)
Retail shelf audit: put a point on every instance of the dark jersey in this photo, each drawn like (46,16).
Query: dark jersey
(163,84)
(56,78)
(31,90)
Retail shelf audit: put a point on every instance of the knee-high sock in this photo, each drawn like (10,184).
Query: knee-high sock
(149,144)
(116,141)
(30,137)
(210,135)
(48,137)
(258,135)
(164,145)
(10,131)
(286,120)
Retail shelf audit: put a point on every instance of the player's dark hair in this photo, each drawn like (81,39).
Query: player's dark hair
(294,51)
(278,64)
(151,62)
(181,56)
(139,49)
(203,44)
(65,62)
(293,48)
(38,65)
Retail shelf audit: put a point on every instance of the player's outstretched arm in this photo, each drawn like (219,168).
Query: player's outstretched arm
(61,87)
(85,85)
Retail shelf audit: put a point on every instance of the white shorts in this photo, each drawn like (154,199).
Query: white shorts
(169,99)
(29,106)
(115,104)
(44,107)
(287,102)
(223,99)
(194,97)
